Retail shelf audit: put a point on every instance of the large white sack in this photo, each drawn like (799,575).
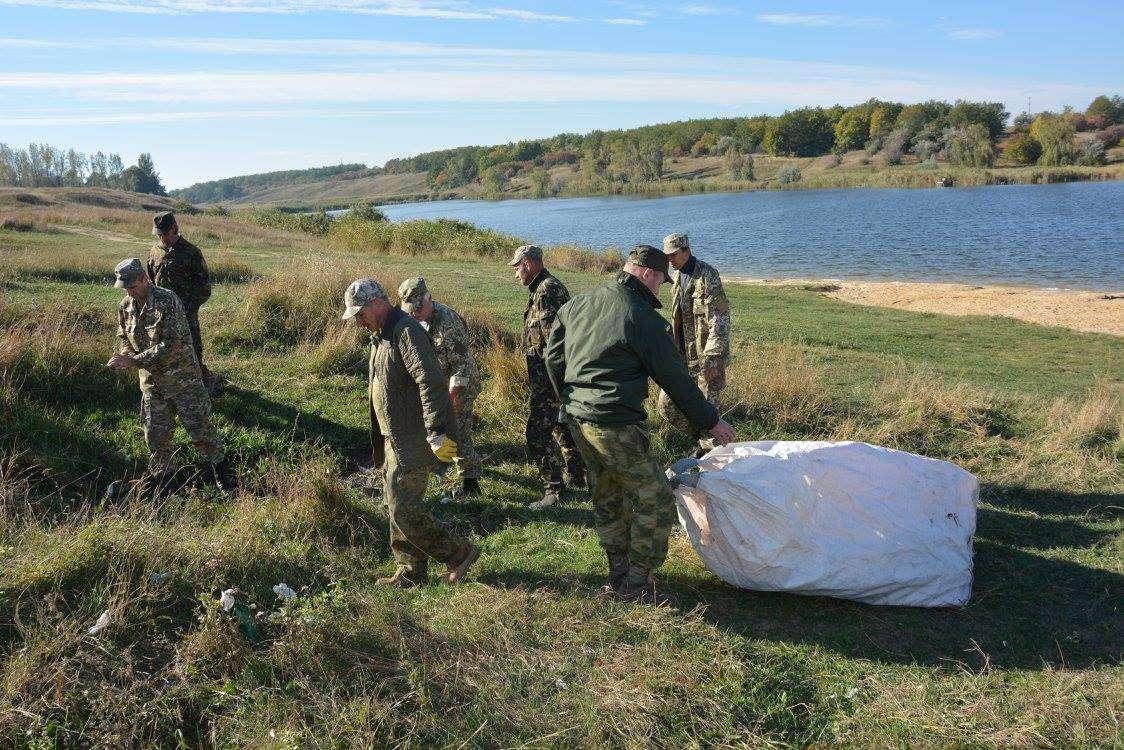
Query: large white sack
(848,520)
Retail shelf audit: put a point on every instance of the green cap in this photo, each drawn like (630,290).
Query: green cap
(127,272)
(412,294)
(163,222)
(673,243)
(647,256)
(361,293)
(526,252)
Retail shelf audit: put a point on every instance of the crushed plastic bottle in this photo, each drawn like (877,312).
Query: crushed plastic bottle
(101,624)
(284,592)
(241,613)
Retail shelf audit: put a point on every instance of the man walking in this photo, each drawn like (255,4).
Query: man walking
(412,428)
(449,334)
(605,345)
(545,436)
(176,264)
(700,325)
(153,336)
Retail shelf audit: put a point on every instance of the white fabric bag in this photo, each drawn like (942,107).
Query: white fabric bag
(848,520)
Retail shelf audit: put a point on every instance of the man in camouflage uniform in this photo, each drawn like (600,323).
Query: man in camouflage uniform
(547,294)
(449,334)
(176,264)
(700,325)
(153,336)
(412,429)
(604,347)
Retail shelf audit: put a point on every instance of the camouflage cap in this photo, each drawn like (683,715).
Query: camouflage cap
(647,256)
(673,243)
(163,222)
(127,272)
(359,295)
(526,252)
(412,294)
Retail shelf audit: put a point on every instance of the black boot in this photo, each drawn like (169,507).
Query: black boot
(470,487)
(153,488)
(618,570)
(639,585)
(225,478)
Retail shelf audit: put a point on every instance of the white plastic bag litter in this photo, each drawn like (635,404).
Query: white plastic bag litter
(848,520)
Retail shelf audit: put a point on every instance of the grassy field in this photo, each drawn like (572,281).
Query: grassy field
(526,654)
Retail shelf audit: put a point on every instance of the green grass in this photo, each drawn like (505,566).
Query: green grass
(527,654)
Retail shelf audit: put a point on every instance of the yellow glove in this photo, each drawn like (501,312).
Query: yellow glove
(444,447)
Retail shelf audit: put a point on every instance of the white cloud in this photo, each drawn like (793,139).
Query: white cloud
(446,9)
(972,34)
(824,20)
(625,21)
(700,9)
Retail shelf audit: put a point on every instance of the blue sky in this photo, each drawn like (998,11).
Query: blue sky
(214,88)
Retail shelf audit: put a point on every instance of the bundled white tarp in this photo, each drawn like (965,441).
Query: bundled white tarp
(849,520)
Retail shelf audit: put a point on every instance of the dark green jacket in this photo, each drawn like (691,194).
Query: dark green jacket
(604,346)
(409,395)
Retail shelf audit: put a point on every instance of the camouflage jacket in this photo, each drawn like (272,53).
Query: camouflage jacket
(409,396)
(182,269)
(547,294)
(700,316)
(449,334)
(158,338)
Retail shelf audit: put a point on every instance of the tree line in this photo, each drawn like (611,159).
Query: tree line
(232,188)
(42,165)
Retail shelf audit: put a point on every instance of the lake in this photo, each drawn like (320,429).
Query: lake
(1065,235)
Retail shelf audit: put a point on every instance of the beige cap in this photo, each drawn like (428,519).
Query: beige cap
(673,243)
(412,294)
(359,295)
(127,272)
(526,252)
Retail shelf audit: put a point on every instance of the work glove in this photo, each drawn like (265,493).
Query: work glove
(443,446)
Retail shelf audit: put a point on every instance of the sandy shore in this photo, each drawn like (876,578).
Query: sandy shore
(1095,312)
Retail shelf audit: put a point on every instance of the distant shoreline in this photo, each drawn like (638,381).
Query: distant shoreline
(1076,309)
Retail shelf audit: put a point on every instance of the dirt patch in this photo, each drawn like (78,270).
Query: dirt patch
(1092,312)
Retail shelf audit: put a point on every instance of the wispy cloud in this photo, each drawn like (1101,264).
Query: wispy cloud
(446,9)
(700,9)
(971,34)
(825,20)
(625,21)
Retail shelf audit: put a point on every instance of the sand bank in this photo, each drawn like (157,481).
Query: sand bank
(1095,312)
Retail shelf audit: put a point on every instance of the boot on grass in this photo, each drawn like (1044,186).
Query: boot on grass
(226,479)
(460,562)
(639,585)
(551,497)
(618,571)
(470,487)
(406,577)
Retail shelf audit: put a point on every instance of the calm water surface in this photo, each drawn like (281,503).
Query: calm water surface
(1069,235)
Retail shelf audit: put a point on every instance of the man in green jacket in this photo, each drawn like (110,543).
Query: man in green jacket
(412,424)
(605,345)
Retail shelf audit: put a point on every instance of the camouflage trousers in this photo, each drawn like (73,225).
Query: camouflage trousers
(196,333)
(415,535)
(545,437)
(158,413)
(468,461)
(678,420)
(633,507)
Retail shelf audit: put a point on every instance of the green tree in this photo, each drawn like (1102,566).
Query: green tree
(882,118)
(970,146)
(143,178)
(738,165)
(1055,133)
(1104,111)
(540,183)
(852,129)
(799,132)
(992,115)
(1022,149)
(494,182)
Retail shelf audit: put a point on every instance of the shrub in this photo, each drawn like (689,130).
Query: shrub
(800,132)
(831,161)
(230,271)
(1056,135)
(970,146)
(1091,153)
(1022,149)
(366,212)
(1111,136)
(789,174)
(317,223)
(571,258)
